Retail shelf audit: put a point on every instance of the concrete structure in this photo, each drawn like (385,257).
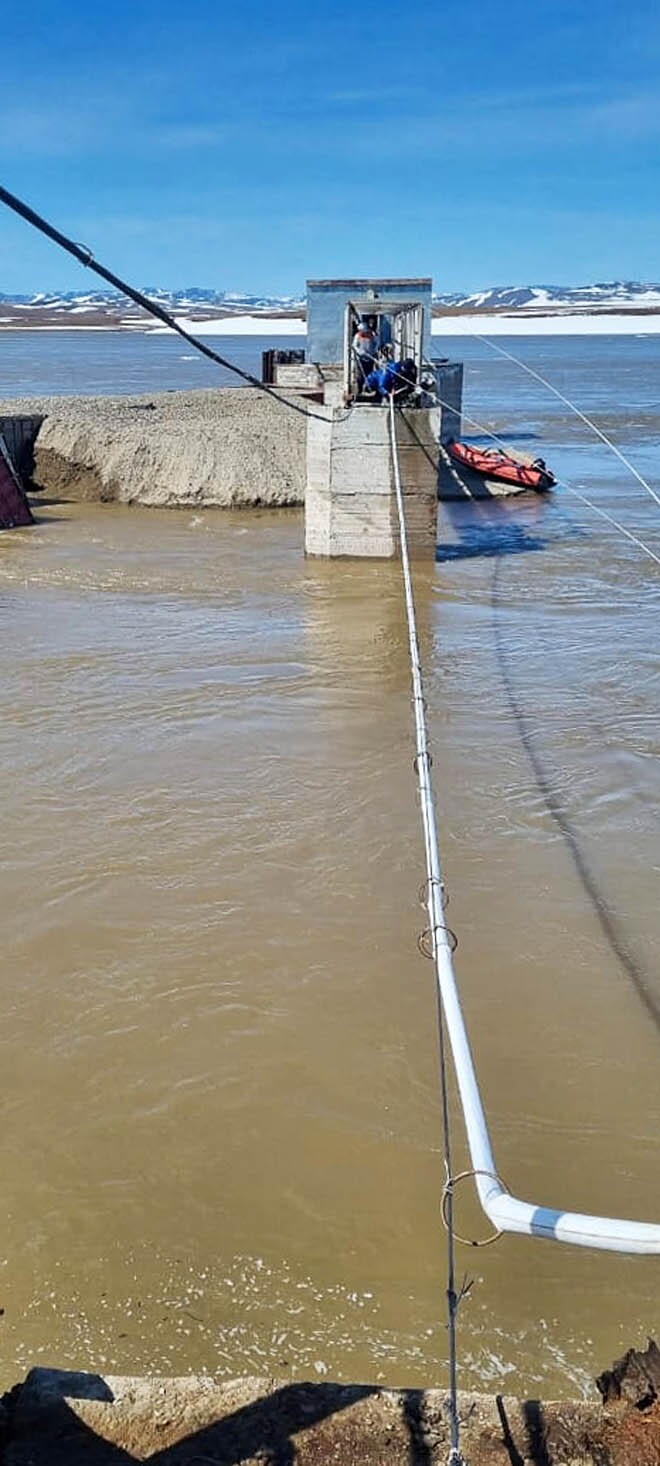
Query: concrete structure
(326,306)
(449,389)
(280,368)
(350,505)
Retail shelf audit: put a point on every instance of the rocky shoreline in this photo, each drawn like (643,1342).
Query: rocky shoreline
(225,448)
(64,1418)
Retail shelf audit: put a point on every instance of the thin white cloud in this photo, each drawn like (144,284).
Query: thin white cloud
(49,132)
(181,135)
(507,125)
(85,128)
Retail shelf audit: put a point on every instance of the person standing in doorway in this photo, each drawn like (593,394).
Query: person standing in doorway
(365,352)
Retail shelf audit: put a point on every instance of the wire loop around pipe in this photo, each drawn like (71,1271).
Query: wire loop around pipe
(448,1190)
(425,888)
(425,940)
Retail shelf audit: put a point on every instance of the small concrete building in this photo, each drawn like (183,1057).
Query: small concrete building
(350,503)
(328,300)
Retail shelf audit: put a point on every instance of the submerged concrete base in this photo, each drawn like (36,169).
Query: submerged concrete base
(59,1418)
(350,505)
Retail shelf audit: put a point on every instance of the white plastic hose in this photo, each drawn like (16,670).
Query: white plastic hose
(507,1214)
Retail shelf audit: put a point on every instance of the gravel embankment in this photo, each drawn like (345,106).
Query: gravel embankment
(61,1418)
(224,448)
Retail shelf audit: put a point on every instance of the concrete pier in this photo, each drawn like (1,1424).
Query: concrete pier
(350,505)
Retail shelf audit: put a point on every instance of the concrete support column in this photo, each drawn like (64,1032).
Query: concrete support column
(449,387)
(350,504)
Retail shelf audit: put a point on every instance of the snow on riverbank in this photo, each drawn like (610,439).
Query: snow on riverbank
(624,324)
(486,325)
(239,326)
(520,325)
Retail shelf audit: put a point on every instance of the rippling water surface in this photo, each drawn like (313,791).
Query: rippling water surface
(220,1146)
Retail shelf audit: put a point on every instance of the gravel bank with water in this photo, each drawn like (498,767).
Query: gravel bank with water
(227,448)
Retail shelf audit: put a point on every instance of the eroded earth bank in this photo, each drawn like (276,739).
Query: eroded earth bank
(230,447)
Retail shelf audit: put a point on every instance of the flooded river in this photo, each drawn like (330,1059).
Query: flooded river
(220,1144)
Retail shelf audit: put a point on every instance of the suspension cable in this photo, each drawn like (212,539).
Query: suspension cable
(154,308)
(562,483)
(524,366)
(440,937)
(505,1211)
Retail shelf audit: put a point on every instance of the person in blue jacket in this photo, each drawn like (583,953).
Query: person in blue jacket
(393,378)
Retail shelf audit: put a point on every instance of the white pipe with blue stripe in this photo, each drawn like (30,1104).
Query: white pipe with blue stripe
(506,1212)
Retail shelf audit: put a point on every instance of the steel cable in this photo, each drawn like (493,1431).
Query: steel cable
(85,257)
(561,483)
(506,1212)
(440,943)
(524,367)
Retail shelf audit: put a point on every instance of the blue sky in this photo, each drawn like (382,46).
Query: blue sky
(248,146)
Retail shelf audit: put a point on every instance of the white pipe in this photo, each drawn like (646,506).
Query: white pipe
(506,1212)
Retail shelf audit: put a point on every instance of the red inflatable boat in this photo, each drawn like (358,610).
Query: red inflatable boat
(494,463)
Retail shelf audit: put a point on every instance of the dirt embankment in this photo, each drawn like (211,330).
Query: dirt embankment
(60,1418)
(225,448)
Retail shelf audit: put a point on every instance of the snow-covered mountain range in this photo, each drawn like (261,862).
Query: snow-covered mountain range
(192,302)
(615,295)
(110,310)
(107,308)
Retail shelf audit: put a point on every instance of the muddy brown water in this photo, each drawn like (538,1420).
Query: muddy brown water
(220,1142)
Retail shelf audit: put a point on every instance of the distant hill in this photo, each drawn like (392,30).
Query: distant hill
(107,308)
(550,300)
(115,311)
